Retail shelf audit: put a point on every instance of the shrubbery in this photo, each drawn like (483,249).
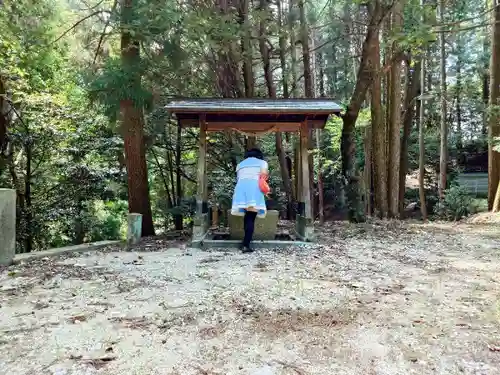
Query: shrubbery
(457,204)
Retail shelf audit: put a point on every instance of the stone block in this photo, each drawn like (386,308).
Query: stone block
(200,226)
(7,226)
(304,228)
(265,228)
(134,229)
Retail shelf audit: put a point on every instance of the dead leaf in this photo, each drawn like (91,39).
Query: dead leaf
(40,305)
(77,319)
(292,367)
(97,363)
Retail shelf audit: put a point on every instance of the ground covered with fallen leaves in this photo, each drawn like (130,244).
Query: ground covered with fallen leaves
(378,298)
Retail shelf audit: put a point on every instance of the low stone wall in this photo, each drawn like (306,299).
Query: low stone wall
(7,226)
(265,228)
(64,250)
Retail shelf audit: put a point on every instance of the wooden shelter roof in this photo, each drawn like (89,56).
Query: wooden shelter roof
(248,106)
(253,115)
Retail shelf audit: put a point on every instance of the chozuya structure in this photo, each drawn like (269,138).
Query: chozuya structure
(254,117)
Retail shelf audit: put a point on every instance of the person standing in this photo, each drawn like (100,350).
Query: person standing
(248,198)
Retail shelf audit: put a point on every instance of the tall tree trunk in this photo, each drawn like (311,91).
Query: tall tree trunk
(133,127)
(486,100)
(293,48)
(486,75)
(285,173)
(292,21)
(178,219)
(306,55)
(367,174)
(171,169)
(443,155)
(308,87)
(411,93)
(421,143)
(286,94)
(321,209)
(164,178)
(246,48)
(348,44)
(321,75)
(79,227)
(494,120)
(271,90)
(16,183)
(246,52)
(27,196)
(363,82)
(394,128)
(4,109)
(386,83)
(282,45)
(458,96)
(379,136)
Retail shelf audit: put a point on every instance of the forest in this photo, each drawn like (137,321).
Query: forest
(85,137)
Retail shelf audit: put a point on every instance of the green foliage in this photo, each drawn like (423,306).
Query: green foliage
(113,85)
(61,150)
(65,156)
(109,221)
(457,204)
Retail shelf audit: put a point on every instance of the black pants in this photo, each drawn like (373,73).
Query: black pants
(249,226)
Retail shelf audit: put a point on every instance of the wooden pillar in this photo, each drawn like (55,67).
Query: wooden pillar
(305,228)
(200,226)
(215,216)
(298,184)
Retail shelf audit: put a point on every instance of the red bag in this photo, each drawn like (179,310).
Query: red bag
(263,185)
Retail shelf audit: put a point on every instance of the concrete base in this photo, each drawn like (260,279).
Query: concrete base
(235,244)
(7,226)
(200,227)
(265,228)
(304,228)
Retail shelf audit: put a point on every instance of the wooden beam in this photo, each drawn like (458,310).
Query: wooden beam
(252,126)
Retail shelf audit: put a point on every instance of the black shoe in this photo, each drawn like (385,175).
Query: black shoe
(246,249)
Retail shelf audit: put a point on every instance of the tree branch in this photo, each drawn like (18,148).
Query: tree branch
(103,34)
(93,14)
(468,19)
(468,28)
(90,7)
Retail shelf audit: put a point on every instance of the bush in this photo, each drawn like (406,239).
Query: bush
(109,221)
(457,203)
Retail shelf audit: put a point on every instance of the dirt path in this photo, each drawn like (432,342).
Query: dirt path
(373,299)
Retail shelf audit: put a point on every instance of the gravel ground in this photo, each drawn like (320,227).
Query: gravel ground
(380,298)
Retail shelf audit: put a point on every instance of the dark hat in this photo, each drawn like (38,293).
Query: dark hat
(254,153)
